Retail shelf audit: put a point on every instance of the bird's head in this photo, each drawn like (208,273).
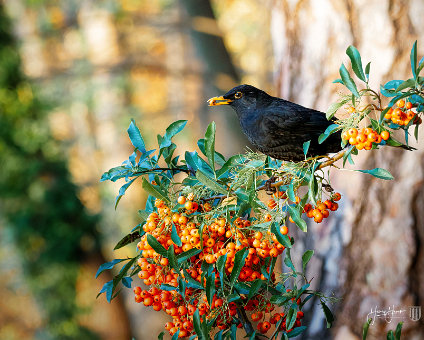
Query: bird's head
(240,97)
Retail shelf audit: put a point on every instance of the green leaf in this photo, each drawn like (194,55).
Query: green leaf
(306,257)
(171,131)
(157,247)
(192,282)
(210,288)
(210,144)
(295,215)
(283,239)
(288,262)
(135,137)
(122,191)
(130,238)
(254,288)
(398,330)
(209,182)
(233,160)
(331,111)
(220,267)
(328,315)
(291,317)
(161,334)
(290,192)
(144,214)
(328,131)
(218,336)
(174,236)
(390,335)
(296,331)
(187,254)
(407,83)
(379,173)
(175,336)
(313,189)
(306,147)
(239,260)
(233,334)
(172,259)
(365,329)
(108,265)
(198,326)
(154,191)
(355,59)
(348,81)
(420,66)
(280,299)
(367,70)
(414,59)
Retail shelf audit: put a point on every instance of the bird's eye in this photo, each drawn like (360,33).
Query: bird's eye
(238,95)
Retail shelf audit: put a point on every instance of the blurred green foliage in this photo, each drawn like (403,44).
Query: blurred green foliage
(38,201)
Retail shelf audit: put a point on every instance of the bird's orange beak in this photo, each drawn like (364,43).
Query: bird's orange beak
(215,101)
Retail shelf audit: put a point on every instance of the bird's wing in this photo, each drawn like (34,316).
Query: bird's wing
(288,118)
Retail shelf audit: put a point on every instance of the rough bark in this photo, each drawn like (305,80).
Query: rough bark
(371,253)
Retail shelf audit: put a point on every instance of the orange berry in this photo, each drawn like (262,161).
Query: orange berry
(360,138)
(336,196)
(182,219)
(368,130)
(258,235)
(284,230)
(353,132)
(397,113)
(318,217)
(409,105)
(353,141)
(345,135)
(181,200)
(272,204)
(385,135)
(400,103)
(188,205)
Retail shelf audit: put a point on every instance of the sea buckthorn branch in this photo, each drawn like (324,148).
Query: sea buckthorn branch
(208,243)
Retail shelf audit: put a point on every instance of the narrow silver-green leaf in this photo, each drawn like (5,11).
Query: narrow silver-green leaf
(155,192)
(174,236)
(414,59)
(348,81)
(239,260)
(210,144)
(209,182)
(306,257)
(379,173)
(355,59)
(157,247)
(294,214)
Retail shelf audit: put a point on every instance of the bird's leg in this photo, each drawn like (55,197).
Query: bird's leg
(327,187)
(268,186)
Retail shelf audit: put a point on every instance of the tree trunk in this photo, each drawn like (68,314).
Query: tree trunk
(370,254)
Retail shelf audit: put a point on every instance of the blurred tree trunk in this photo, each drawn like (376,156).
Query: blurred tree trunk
(371,253)
(220,73)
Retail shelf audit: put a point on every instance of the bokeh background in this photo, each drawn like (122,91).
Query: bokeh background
(74,72)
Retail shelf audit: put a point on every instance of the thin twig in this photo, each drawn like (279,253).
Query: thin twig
(246,323)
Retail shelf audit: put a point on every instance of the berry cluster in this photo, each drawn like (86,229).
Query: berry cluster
(402,113)
(364,138)
(321,210)
(213,237)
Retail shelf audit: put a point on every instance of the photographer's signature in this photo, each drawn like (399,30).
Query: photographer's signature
(392,313)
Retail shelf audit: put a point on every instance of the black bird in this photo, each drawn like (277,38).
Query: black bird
(277,127)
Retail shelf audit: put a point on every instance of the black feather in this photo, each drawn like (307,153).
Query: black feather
(279,128)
